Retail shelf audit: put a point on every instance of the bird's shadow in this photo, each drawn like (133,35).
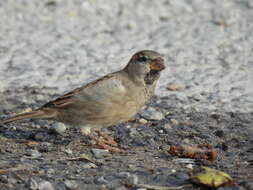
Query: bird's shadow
(38,131)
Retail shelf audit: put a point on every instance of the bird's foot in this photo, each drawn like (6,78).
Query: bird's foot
(107,142)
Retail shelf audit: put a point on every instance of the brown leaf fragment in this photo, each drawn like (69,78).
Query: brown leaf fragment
(201,151)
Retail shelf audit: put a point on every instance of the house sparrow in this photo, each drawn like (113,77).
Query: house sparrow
(109,100)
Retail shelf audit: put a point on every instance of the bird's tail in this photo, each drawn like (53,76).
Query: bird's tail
(36,114)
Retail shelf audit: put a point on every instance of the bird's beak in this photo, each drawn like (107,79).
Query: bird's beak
(157,64)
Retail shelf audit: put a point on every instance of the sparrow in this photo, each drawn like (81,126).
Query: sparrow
(112,99)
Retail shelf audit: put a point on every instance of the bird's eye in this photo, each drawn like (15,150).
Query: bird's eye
(142,59)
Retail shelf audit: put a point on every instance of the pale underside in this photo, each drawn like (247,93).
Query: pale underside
(114,99)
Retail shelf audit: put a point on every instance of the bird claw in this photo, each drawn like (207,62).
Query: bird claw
(107,142)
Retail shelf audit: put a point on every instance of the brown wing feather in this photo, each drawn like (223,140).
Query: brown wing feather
(63,100)
(67,99)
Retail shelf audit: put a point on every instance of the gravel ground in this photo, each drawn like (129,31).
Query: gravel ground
(50,47)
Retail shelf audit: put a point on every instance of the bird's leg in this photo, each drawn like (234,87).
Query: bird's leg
(107,139)
(85,130)
(107,142)
(101,140)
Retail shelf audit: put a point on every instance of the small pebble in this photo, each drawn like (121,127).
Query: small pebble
(45,185)
(101,180)
(41,172)
(132,132)
(103,187)
(197,97)
(37,126)
(167,126)
(4,163)
(152,114)
(131,25)
(68,151)
(182,176)
(224,100)
(134,179)
(40,97)
(128,126)
(12,181)
(32,184)
(143,121)
(85,130)
(249,185)
(39,136)
(182,98)
(189,166)
(174,121)
(13,128)
(124,174)
(168,113)
(50,172)
(186,141)
(71,185)
(34,153)
(131,178)
(100,153)
(58,128)
(175,87)
(3,179)
(131,166)
(121,188)
(89,165)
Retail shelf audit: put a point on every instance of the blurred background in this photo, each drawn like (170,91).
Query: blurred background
(63,44)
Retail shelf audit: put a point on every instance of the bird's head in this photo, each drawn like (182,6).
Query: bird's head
(145,65)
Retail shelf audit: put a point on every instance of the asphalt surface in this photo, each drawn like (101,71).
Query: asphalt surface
(205,95)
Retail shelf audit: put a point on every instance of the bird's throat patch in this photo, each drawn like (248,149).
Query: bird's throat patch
(151,77)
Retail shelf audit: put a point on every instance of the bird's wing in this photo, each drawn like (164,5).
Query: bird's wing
(63,100)
(100,90)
